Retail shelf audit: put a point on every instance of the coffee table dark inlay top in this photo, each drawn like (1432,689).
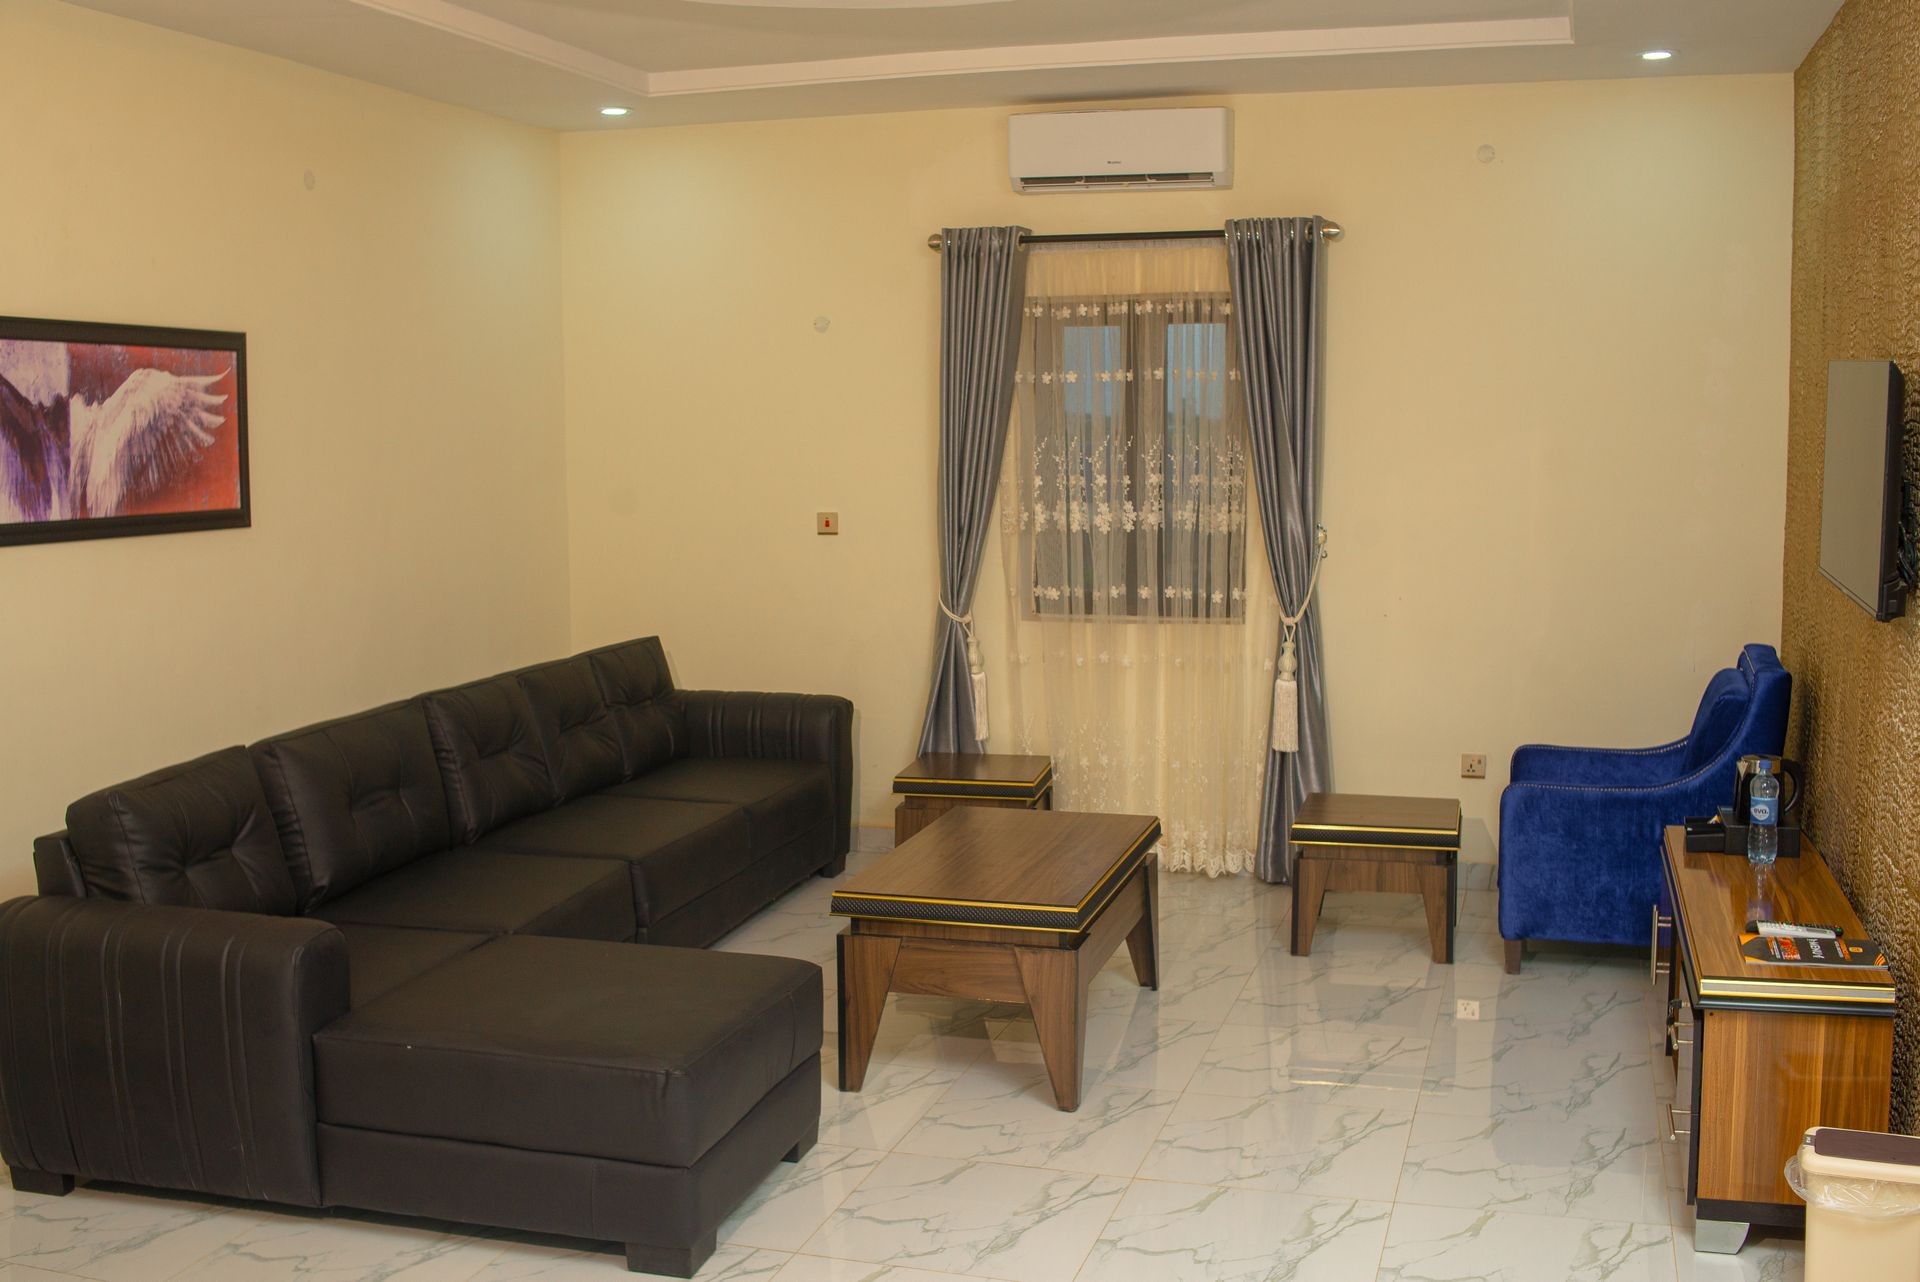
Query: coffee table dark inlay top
(1005,906)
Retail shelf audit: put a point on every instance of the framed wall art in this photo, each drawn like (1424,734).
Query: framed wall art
(112,430)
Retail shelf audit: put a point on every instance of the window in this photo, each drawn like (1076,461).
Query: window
(1133,443)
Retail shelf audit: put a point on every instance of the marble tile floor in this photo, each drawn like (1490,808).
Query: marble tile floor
(1358,1114)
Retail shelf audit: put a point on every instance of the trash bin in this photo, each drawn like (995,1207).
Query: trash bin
(1862,1191)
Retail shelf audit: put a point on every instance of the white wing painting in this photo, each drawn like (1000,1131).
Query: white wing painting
(64,456)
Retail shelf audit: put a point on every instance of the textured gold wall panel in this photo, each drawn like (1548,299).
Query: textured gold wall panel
(1856,295)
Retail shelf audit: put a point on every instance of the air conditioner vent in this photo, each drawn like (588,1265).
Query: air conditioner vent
(1048,183)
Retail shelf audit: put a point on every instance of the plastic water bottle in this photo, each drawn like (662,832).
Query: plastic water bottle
(1763,816)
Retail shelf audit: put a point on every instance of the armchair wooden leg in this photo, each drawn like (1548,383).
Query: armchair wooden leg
(1516,948)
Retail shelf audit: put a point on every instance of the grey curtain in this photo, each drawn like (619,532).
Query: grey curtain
(1278,272)
(983,272)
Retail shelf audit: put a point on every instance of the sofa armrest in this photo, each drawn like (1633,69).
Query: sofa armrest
(783,727)
(1606,767)
(167,1047)
(1582,863)
(56,869)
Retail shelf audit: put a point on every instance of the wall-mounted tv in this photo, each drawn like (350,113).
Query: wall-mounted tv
(1860,499)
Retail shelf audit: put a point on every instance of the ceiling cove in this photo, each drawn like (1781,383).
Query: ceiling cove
(622,64)
(1241,47)
(850,4)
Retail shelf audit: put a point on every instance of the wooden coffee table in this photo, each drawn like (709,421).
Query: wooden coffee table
(1348,841)
(1004,906)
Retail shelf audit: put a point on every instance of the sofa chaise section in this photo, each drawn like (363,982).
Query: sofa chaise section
(679,1074)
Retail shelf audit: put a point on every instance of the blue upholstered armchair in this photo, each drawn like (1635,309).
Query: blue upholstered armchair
(1580,828)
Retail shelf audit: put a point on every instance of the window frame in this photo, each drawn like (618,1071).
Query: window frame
(1147,357)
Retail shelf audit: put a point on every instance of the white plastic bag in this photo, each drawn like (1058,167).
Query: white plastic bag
(1871,1199)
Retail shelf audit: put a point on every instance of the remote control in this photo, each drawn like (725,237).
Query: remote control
(1794,929)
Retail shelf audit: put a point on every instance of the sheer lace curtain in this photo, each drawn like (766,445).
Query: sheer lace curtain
(1141,614)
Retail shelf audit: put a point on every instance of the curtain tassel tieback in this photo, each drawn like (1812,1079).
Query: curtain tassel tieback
(1286,700)
(1286,688)
(976,670)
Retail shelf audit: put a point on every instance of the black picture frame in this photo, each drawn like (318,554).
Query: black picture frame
(233,344)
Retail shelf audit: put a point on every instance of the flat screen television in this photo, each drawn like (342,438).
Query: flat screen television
(1860,498)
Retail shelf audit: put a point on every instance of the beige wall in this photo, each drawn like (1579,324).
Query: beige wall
(1556,394)
(1856,295)
(403,322)
(1533,364)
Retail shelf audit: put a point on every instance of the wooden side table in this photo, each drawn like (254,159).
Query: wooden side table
(1351,842)
(939,781)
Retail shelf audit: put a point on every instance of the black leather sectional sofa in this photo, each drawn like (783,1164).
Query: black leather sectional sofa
(389,962)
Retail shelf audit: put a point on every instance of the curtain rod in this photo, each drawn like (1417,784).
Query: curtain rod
(1330,231)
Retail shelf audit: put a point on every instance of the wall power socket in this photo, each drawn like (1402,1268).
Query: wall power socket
(1473,765)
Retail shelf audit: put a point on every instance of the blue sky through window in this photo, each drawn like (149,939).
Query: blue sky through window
(1196,368)
(1085,351)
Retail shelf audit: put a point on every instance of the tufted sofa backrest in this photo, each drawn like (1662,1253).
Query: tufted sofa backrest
(305,816)
(195,835)
(638,690)
(492,761)
(354,798)
(576,728)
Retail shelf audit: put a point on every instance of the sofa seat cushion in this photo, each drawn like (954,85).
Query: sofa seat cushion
(495,893)
(380,958)
(677,850)
(707,919)
(782,798)
(633,1053)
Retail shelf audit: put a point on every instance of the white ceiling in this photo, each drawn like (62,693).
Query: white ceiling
(557,62)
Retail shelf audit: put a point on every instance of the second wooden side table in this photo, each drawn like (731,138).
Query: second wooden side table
(939,781)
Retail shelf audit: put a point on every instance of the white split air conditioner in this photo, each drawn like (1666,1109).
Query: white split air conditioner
(1121,150)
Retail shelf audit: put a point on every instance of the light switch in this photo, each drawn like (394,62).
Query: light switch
(826,523)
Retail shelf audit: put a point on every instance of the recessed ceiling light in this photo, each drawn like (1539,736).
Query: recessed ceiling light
(1656,55)
(615,111)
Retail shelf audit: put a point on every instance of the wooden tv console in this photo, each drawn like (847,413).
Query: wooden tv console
(1761,1052)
